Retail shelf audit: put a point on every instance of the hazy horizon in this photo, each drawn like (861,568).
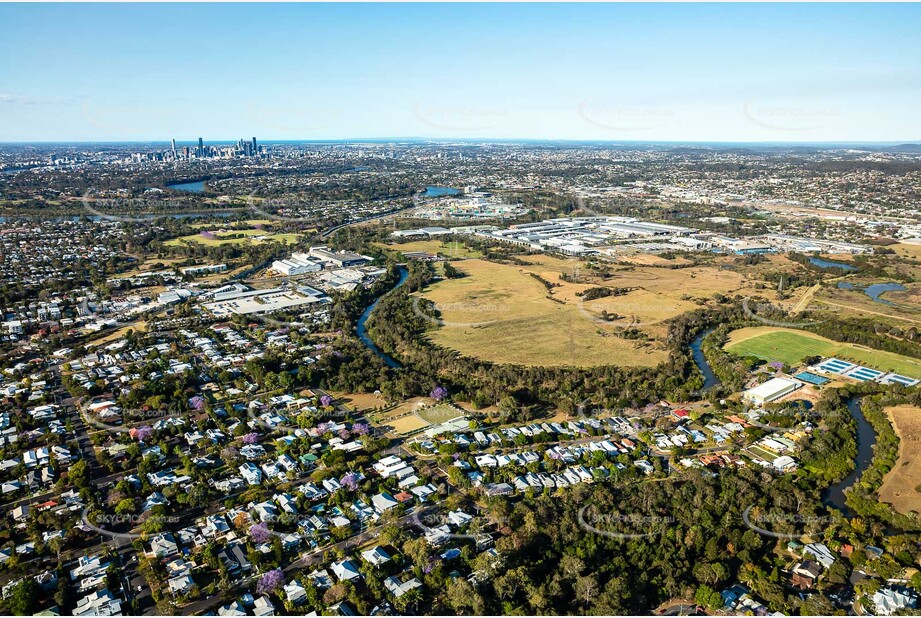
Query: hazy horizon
(586,72)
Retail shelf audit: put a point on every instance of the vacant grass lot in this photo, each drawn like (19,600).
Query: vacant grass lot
(502,314)
(901,485)
(408,424)
(791,346)
(438,247)
(909,250)
(226,238)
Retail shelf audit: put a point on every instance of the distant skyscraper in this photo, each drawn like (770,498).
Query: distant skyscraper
(255,150)
(201,147)
(175,154)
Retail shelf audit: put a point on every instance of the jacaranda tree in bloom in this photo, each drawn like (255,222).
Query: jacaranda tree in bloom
(270,581)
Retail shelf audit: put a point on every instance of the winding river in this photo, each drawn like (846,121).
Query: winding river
(710,379)
(835,495)
(362,330)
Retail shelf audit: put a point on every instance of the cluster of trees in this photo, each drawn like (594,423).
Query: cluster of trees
(863,497)
(603,292)
(871,333)
(624,550)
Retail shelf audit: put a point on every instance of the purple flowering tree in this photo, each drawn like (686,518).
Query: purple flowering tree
(208,235)
(439,393)
(324,427)
(251,438)
(361,429)
(270,581)
(143,433)
(350,481)
(775,365)
(260,533)
(326,401)
(197,402)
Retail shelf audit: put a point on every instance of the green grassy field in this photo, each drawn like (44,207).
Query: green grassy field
(252,235)
(762,453)
(450,249)
(792,346)
(439,413)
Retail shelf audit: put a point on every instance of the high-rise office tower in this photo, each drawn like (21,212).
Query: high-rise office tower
(175,154)
(201,147)
(255,150)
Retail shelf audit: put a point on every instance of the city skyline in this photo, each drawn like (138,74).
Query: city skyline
(613,73)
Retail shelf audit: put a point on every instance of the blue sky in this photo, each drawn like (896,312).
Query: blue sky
(711,72)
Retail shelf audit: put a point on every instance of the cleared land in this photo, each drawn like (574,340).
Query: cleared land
(247,222)
(911,296)
(138,327)
(408,424)
(647,259)
(910,250)
(152,264)
(448,249)
(361,401)
(503,314)
(439,413)
(232,237)
(403,418)
(792,346)
(900,487)
(856,302)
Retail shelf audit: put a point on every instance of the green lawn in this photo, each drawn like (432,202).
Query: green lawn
(439,413)
(227,238)
(762,453)
(455,249)
(791,347)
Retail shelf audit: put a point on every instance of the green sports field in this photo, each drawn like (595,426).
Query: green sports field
(792,346)
(439,413)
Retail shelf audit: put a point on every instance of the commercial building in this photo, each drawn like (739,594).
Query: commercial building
(297,264)
(773,389)
(340,259)
(262,302)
